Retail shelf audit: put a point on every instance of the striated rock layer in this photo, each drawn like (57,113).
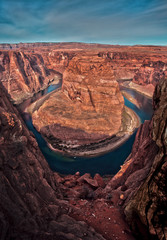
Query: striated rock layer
(90,99)
(148,75)
(32,204)
(26,68)
(88,109)
(23,73)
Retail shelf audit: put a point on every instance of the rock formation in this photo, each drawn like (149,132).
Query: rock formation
(87,110)
(148,75)
(150,72)
(23,73)
(31,197)
(90,98)
(36,203)
(26,68)
(141,182)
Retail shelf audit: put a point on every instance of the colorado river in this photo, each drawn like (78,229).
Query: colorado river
(110,162)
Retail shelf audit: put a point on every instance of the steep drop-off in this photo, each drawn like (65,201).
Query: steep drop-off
(35,203)
(31,197)
(141,182)
(23,73)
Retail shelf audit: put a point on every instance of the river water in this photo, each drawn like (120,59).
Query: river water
(108,163)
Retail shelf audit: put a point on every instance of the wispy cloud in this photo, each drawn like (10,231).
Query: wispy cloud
(116,21)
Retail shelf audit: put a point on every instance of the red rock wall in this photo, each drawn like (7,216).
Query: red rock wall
(150,72)
(23,73)
(141,182)
(27,68)
(31,197)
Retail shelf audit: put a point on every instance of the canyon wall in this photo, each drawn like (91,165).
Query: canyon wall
(141,182)
(32,204)
(150,211)
(23,73)
(26,68)
(150,72)
(87,109)
(90,83)
(32,197)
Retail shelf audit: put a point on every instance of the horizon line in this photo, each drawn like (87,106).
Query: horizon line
(80,42)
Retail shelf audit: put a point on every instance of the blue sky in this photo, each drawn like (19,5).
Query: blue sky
(105,21)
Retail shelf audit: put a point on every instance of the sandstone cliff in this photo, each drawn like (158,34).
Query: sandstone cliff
(150,72)
(150,211)
(141,182)
(88,109)
(23,73)
(31,197)
(26,68)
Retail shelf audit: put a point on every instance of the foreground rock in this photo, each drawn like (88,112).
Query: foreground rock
(31,197)
(141,183)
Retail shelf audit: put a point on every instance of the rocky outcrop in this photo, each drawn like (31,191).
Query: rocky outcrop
(36,203)
(141,182)
(87,110)
(125,63)
(150,211)
(148,75)
(31,196)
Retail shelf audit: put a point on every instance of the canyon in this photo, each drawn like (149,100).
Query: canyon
(36,202)
(27,68)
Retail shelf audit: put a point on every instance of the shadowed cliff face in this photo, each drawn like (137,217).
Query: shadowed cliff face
(31,205)
(141,182)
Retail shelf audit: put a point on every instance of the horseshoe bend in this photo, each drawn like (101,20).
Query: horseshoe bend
(87,110)
(87,114)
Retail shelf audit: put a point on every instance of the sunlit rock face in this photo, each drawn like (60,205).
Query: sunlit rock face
(31,196)
(27,68)
(89,107)
(89,83)
(23,73)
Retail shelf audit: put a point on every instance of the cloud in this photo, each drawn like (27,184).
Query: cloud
(120,21)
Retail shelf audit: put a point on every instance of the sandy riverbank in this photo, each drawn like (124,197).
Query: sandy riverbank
(147,90)
(36,105)
(130,98)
